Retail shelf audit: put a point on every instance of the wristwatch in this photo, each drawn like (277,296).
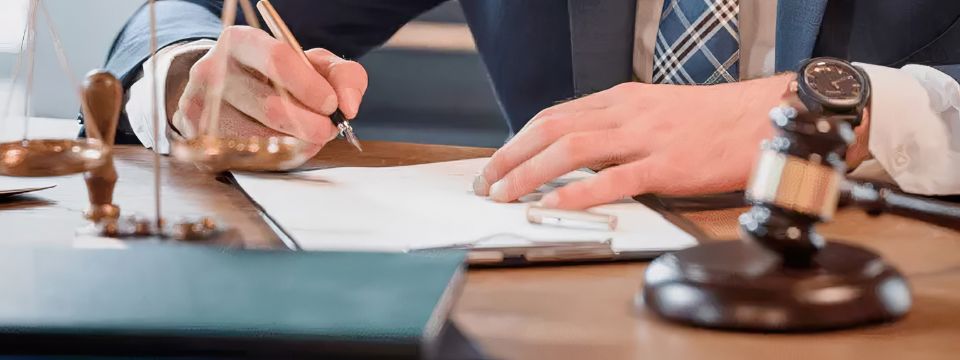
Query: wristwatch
(832,87)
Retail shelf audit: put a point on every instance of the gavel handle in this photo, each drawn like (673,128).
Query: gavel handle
(877,200)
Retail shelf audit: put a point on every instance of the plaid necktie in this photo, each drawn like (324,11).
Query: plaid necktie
(698,43)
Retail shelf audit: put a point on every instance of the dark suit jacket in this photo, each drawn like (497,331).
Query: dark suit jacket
(539,52)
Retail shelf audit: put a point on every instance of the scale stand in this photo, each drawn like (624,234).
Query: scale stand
(101,98)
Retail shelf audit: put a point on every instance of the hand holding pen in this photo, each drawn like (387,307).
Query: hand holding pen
(314,92)
(282,32)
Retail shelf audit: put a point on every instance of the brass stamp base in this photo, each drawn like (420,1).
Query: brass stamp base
(202,229)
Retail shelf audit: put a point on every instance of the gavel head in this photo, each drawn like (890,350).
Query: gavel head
(796,181)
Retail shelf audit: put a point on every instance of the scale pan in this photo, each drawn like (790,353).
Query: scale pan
(255,153)
(51,157)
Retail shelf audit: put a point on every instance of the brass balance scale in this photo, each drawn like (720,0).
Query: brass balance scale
(101,97)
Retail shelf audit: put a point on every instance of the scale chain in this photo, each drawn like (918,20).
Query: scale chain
(155,115)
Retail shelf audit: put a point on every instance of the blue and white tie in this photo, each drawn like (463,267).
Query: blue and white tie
(698,43)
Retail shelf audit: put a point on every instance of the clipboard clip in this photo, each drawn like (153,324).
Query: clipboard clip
(543,253)
(534,251)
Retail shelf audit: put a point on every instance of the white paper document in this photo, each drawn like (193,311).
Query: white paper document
(10,186)
(431,206)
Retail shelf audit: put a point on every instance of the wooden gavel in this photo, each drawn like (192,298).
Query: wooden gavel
(876,200)
(102,97)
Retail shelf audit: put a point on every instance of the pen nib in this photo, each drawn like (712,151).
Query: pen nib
(346,130)
(352,139)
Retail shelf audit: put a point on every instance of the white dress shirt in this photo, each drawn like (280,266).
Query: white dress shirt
(138,108)
(915,111)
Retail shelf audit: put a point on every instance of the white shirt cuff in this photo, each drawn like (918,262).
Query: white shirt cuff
(914,129)
(138,109)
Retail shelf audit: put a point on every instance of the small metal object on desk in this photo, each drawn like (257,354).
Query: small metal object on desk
(139,227)
(195,230)
(571,219)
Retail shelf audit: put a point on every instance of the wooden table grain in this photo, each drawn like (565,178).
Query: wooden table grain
(572,312)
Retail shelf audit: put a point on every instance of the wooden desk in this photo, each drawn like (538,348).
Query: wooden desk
(577,312)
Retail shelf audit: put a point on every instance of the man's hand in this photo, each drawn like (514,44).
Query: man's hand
(248,62)
(664,139)
(859,151)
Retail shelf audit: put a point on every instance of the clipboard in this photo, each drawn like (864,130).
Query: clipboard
(659,230)
(535,253)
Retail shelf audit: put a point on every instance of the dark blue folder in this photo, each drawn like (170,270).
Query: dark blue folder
(209,302)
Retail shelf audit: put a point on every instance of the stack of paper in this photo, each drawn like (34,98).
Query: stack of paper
(430,206)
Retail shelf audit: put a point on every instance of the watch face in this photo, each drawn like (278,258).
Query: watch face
(835,82)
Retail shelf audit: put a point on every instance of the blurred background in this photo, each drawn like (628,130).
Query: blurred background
(427,84)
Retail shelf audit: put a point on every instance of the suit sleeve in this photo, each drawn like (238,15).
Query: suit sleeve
(177,21)
(349,28)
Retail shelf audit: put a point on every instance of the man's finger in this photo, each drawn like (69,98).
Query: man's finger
(281,64)
(535,139)
(610,185)
(348,78)
(571,152)
(277,111)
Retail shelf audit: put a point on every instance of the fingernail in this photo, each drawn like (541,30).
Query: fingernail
(333,134)
(480,186)
(550,200)
(498,191)
(350,102)
(329,104)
